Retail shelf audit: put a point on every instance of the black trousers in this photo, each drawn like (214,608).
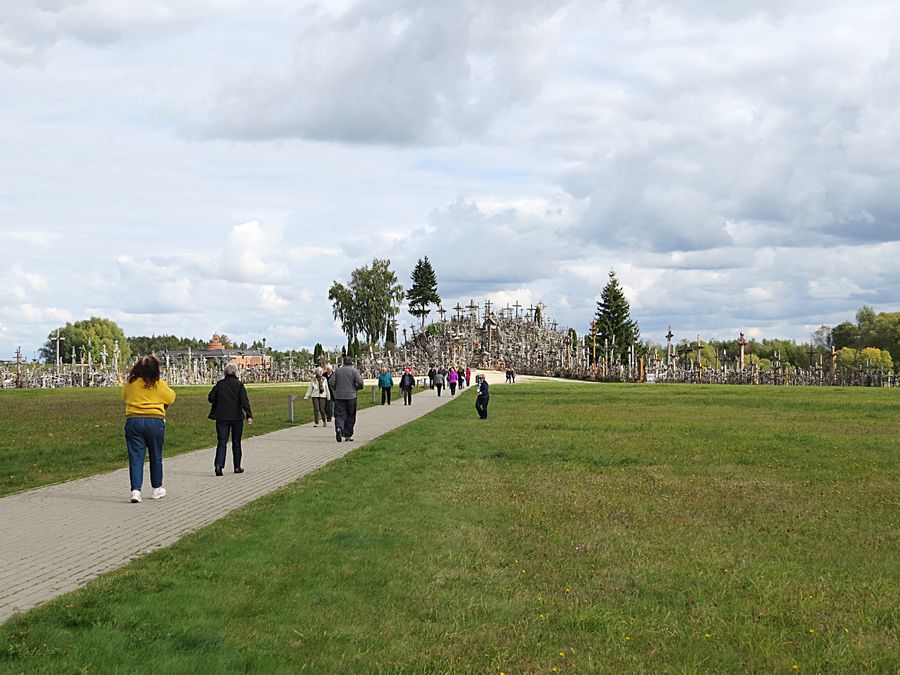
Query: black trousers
(329,409)
(385,395)
(407,396)
(481,404)
(345,415)
(236,427)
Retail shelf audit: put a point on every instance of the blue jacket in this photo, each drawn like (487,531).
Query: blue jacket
(385,381)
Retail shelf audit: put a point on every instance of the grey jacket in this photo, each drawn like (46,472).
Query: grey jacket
(347,381)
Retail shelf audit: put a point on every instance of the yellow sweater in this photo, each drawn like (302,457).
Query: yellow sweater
(143,402)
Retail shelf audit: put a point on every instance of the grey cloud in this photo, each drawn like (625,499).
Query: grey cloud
(390,72)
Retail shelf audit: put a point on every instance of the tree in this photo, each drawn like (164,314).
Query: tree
(612,322)
(93,334)
(423,292)
(345,310)
(821,338)
(369,303)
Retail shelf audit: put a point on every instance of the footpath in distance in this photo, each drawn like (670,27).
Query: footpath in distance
(57,538)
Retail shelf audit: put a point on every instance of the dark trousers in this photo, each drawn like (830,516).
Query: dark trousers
(385,395)
(236,427)
(453,388)
(439,387)
(407,396)
(329,409)
(319,408)
(345,415)
(481,404)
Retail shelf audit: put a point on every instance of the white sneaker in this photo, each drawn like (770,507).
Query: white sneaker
(135,496)
(159,493)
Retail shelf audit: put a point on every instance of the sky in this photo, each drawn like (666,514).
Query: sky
(193,167)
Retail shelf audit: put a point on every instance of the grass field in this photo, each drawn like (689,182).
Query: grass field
(50,435)
(582,528)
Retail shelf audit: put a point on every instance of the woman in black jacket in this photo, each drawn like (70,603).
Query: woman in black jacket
(229,403)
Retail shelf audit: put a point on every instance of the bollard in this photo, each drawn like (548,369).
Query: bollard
(373,394)
(291,399)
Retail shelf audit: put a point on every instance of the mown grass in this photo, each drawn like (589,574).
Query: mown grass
(580,529)
(52,435)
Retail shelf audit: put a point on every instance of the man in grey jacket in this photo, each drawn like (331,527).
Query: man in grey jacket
(347,381)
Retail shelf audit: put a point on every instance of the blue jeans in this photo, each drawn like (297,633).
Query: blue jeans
(144,434)
(236,427)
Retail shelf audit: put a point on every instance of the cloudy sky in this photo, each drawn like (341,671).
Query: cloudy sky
(200,166)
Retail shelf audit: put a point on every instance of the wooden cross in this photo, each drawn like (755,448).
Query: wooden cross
(57,339)
(459,309)
(442,311)
(487,307)
(517,305)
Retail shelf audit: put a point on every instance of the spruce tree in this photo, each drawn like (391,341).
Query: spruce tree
(423,291)
(613,323)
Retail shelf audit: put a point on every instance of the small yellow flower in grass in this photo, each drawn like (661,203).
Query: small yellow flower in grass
(846,631)
(795,667)
(542,616)
(568,590)
(562,653)
(812,631)
(627,637)
(707,635)
(554,669)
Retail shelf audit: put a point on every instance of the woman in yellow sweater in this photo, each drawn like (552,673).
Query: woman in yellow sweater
(146,399)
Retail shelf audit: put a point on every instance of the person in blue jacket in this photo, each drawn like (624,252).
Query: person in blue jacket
(385,382)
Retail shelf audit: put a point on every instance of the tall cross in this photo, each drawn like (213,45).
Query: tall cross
(58,339)
(459,309)
(530,312)
(517,306)
(487,307)
(18,361)
(473,309)
(442,311)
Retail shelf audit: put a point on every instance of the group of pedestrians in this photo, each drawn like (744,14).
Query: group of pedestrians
(332,392)
(451,378)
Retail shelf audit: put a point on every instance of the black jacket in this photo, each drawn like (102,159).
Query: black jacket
(229,399)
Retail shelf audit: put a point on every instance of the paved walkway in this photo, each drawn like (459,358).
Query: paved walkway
(57,538)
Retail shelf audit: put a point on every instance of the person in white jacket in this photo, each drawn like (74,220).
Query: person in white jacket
(320,393)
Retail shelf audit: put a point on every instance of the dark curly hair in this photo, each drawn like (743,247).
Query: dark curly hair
(146,368)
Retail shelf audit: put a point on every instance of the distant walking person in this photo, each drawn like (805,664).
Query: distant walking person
(385,383)
(452,380)
(407,382)
(461,374)
(468,375)
(146,400)
(347,381)
(320,393)
(439,380)
(483,397)
(329,404)
(431,373)
(229,404)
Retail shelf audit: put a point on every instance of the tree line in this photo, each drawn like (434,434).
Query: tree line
(367,305)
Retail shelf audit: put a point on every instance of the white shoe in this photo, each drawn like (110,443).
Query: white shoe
(135,496)
(316,424)
(159,493)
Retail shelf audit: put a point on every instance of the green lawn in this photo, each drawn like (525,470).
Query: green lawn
(582,528)
(51,435)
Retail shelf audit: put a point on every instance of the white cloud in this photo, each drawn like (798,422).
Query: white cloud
(213,165)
